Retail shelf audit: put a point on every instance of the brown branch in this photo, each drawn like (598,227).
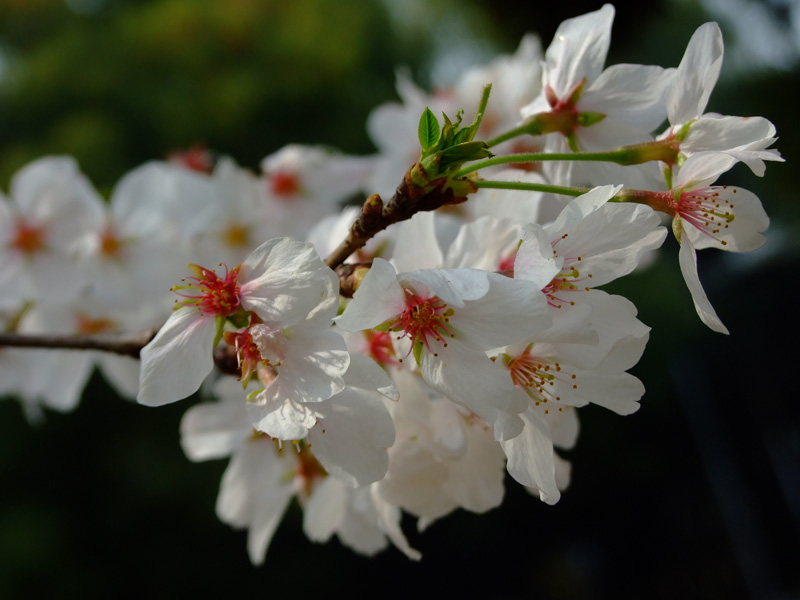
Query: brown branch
(128,344)
(409,199)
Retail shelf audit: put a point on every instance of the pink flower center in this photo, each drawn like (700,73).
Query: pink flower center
(214,296)
(424,320)
(706,210)
(537,377)
(380,349)
(110,245)
(284,184)
(28,239)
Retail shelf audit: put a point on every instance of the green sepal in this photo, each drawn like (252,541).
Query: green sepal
(589,118)
(428,130)
(417,351)
(684,130)
(220,330)
(572,142)
(668,176)
(677,228)
(240,319)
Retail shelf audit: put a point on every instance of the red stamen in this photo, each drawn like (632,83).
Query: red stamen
(214,296)
(424,320)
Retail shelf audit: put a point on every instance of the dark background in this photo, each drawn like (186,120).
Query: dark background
(695,496)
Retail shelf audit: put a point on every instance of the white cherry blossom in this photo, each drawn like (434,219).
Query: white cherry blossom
(288,288)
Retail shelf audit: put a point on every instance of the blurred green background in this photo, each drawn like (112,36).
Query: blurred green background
(696,495)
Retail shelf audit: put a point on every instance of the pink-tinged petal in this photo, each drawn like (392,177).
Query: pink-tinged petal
(696,75)
(178,359)
(284,281)
(579,50)
(530,457)
(350,441)
(688,261)
(378,298)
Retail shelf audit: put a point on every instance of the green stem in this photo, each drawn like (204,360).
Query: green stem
(620,156)
(482,106)
(521,130)
(531,187)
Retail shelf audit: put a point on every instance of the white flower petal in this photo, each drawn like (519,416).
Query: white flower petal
(350,441)
(177,360)
(285,281)
(530,457)
(696,75)
(378,298)
(688,261)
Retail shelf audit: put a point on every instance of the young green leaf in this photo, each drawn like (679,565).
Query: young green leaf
(428,129)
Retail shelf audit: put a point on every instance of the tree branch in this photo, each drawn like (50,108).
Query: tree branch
(409,199)
(128,344)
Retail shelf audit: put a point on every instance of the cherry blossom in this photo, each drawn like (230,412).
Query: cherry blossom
(747,139)
(283,282)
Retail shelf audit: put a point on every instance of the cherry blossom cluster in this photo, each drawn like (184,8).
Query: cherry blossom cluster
(387,358)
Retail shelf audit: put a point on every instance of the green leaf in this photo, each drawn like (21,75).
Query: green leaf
(464,152)
(428,129)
